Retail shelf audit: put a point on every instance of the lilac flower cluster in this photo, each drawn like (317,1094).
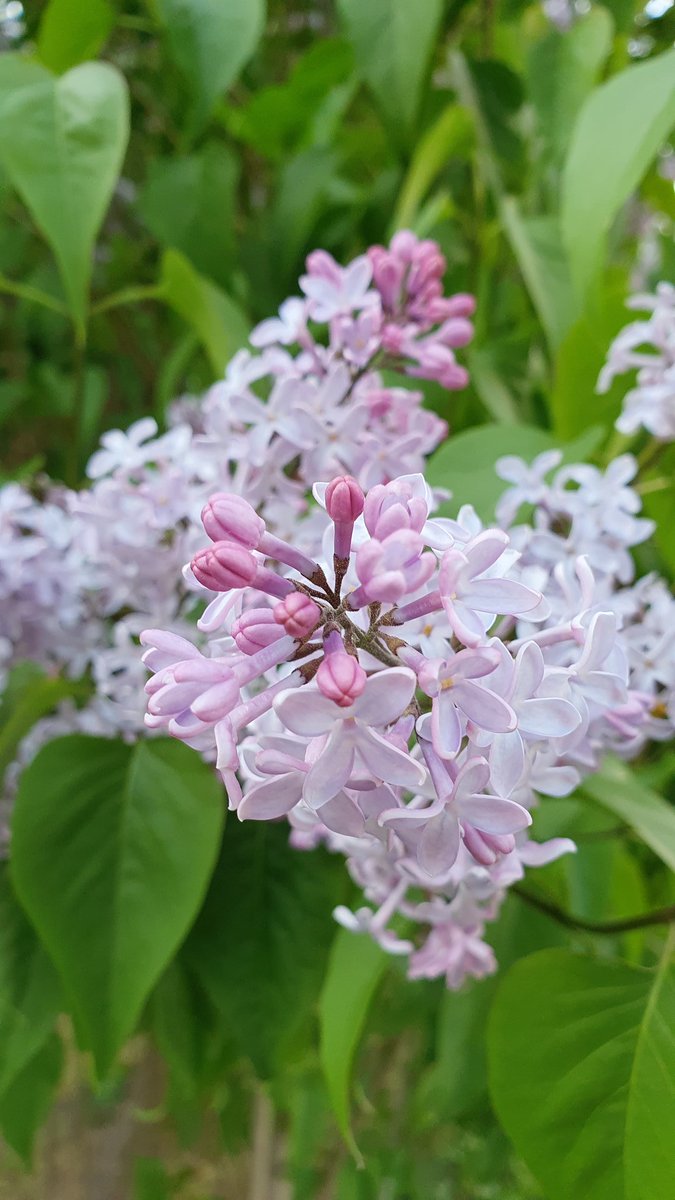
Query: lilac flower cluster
(647,346)
(308,399)
(391,682)
(407,695)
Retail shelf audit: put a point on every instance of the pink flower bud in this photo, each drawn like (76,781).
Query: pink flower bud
(341,678)
(228,517)
(225,565)
(255,629)
(344,499)
(297,614)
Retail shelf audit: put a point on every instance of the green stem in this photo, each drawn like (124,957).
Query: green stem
(73,470)
(654,485)
(651,454)
(658,916)
(25,291)
(128,295)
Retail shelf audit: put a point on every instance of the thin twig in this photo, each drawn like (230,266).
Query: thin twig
(658,916)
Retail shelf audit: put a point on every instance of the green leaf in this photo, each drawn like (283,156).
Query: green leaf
(260,945)
(451,134)
(18,71)
(304,183)
(25,1104)
(29,696)
(650,1148)
(575,404)
(62,143)
(356,967)
(537,246)
(622,791)
(210,41)
(112,849)
(592,1041)
(188,203)
(393,41)
(218,322)
(71,32)
(466,463)
(30,993)
(562,68)
(608,157)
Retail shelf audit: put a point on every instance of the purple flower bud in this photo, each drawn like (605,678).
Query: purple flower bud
(224,566)
(297,614)
(341,678)
(344,499)
(255,629)
(228,517)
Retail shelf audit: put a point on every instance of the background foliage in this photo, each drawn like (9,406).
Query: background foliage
(164,168)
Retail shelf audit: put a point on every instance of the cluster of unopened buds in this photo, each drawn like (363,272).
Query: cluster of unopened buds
(382,700)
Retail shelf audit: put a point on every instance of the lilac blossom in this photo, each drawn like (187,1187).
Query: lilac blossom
(647,346)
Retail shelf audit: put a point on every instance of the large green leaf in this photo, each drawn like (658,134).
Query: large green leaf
(582,1074)
(620,129)
(466,463)
(562,68)
(19,71)
(210,41)
(71,32)
(262,939)
(218,322)
(451,134)
(393,41)
(621,790)
(356,966)
(188,203)
(112,849)
(30,993)
(537,246)
(575,404)
(62,143)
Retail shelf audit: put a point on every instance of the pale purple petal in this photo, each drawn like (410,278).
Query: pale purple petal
(483,551)
(546,718)
(385,696)
(500,596)
(507,760)
(273,798)
(485,708)
(328,775)
(439,844)
(446,727)
(306,711)
(494,814)
(387,762)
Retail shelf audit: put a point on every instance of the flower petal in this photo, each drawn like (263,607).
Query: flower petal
(494,814)
(385,696)
(439,844)
(387,762)
(273,798)
(485,708)
(548,717)
(328,775)
(307,712)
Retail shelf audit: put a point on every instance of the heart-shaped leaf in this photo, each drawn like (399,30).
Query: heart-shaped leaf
(62,142)
(112,849)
